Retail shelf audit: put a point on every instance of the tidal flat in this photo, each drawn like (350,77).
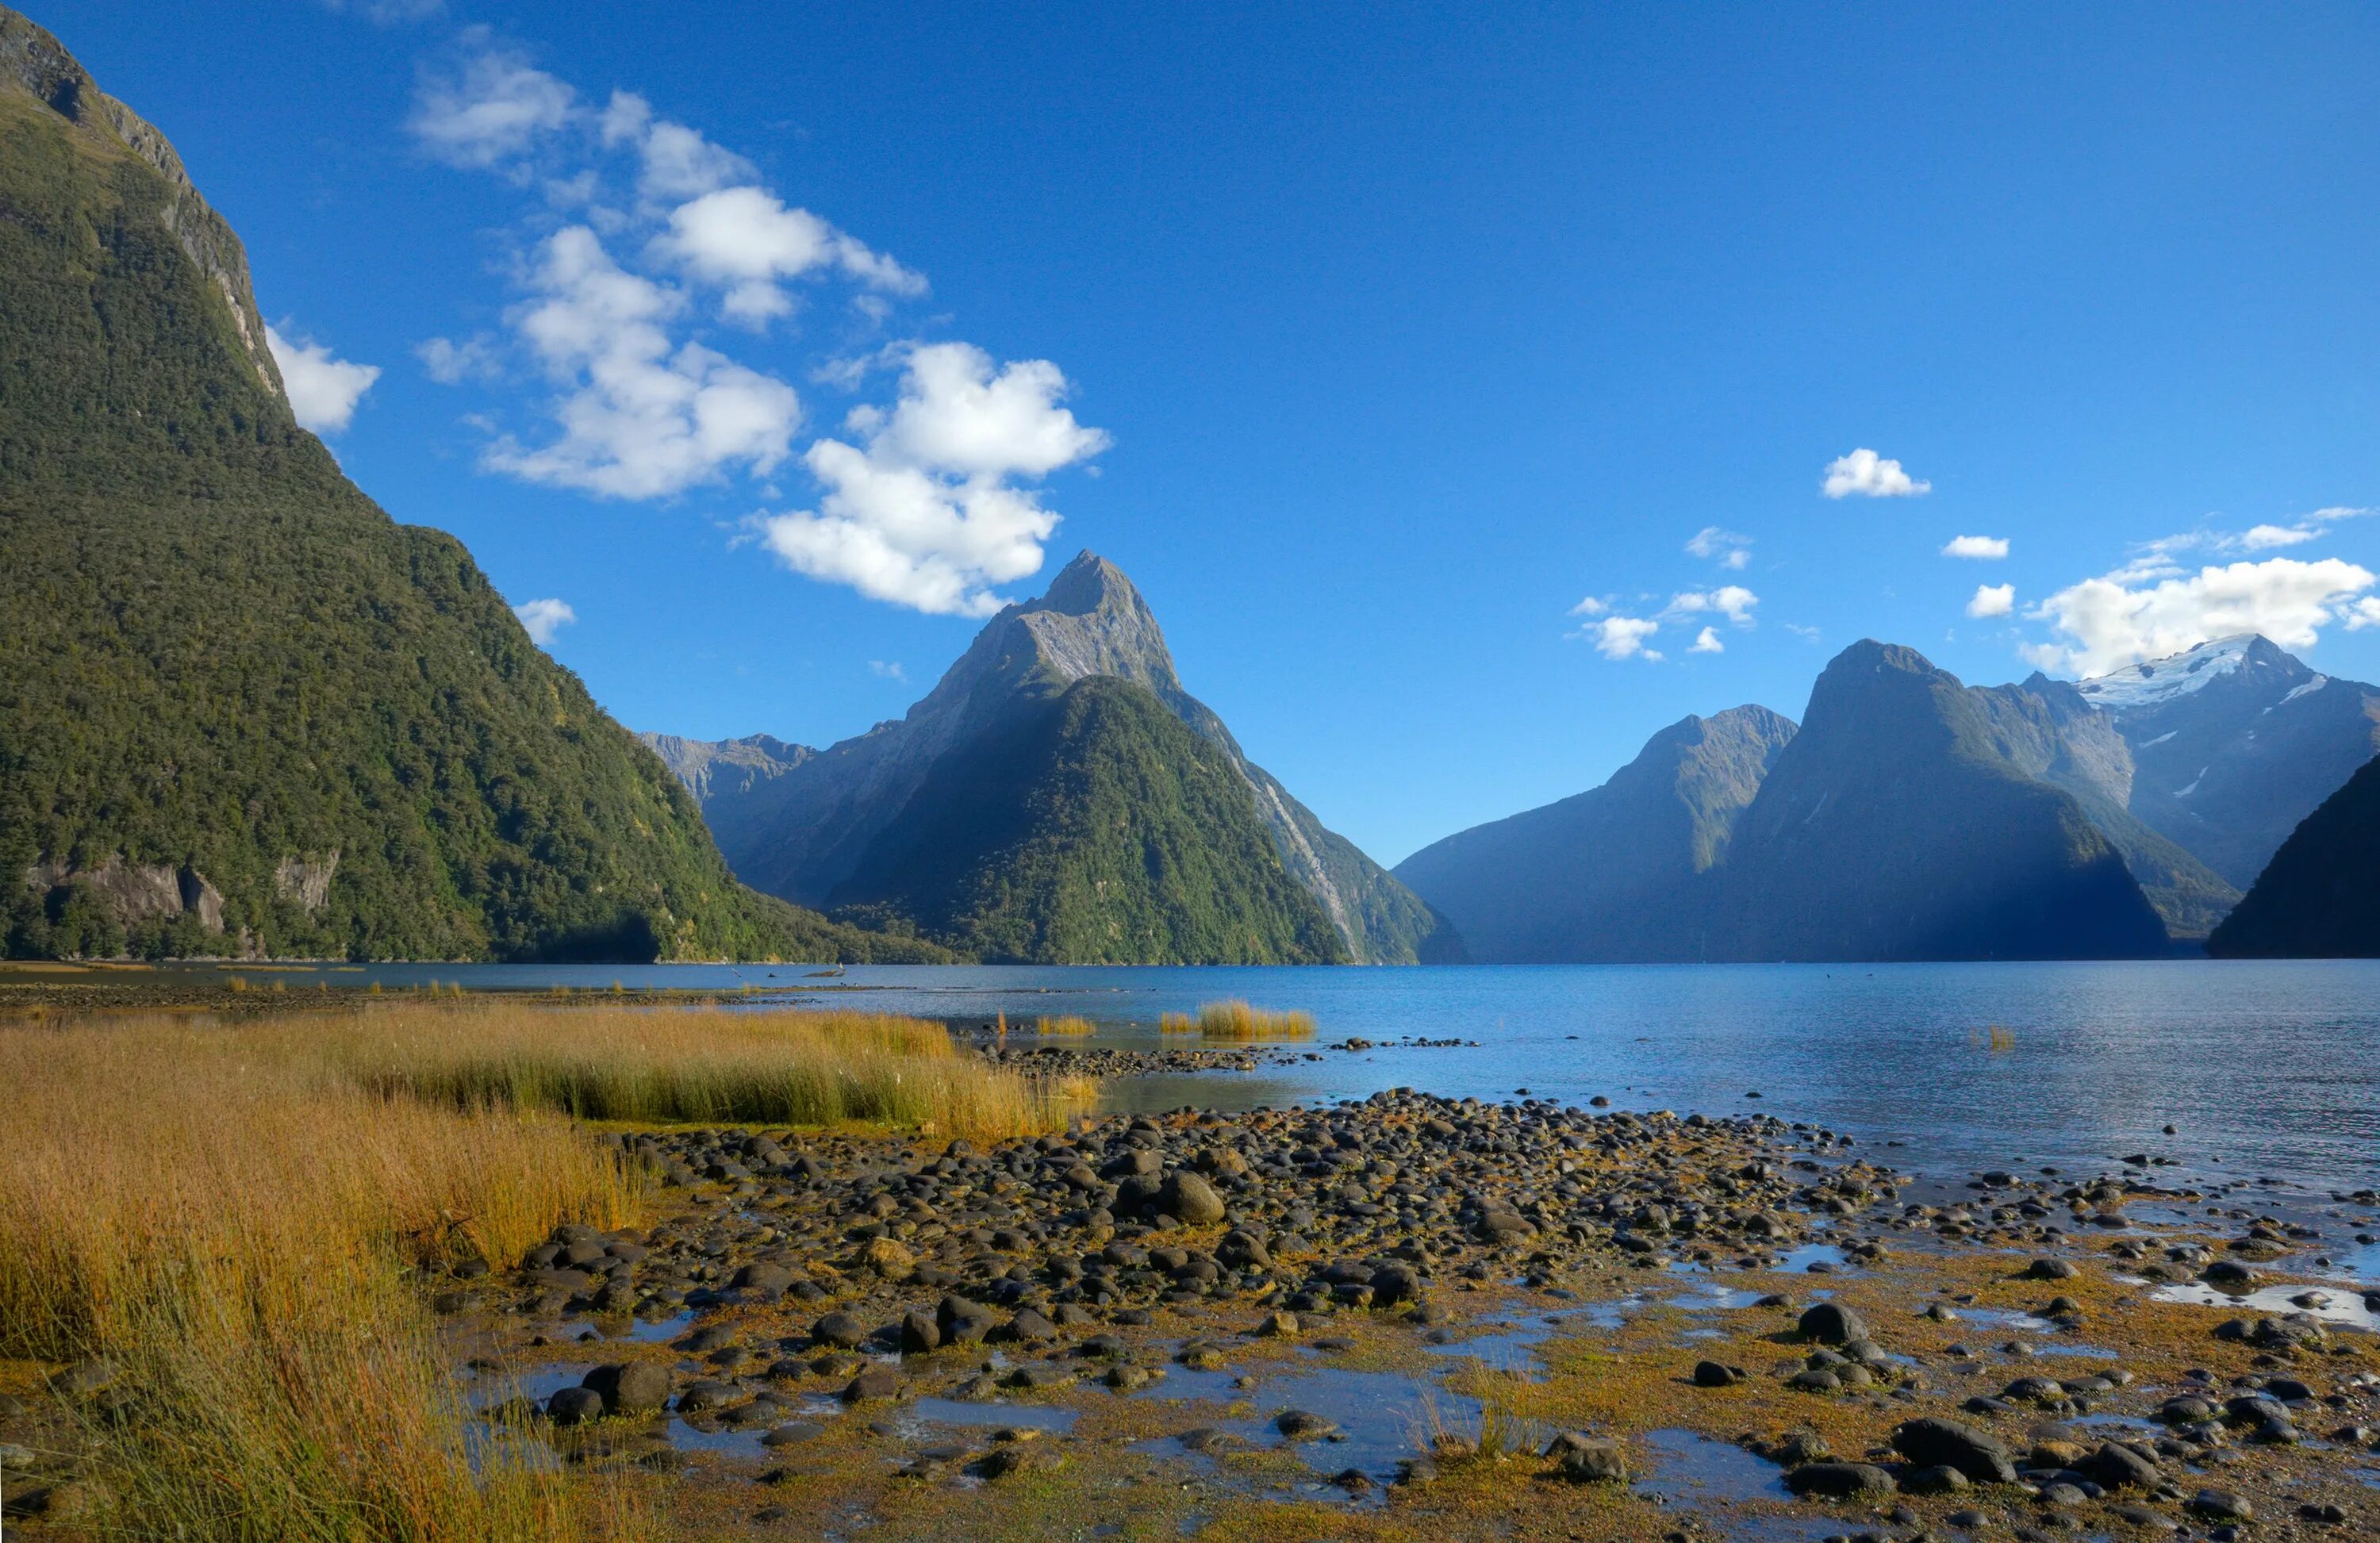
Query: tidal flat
(1407,1316)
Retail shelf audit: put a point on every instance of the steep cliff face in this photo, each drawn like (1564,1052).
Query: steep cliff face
(802,834)
(239,707)
(2319,898)
(1614,874)
(39,66)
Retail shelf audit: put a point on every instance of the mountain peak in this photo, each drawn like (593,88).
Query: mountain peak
(1086,584)
(2156,681)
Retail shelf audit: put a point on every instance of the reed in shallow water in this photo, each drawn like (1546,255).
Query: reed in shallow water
(1238,1020)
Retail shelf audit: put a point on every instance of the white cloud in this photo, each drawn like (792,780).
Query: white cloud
(1992,600)
(492,108)
(544,618)
(387,13)
(1732,601)
(888,669)
(323,391)
(1807,634)
(2362,613)
(1870,476)
(639,416)
(1726,546)
(923,512)
(1982,549)
(2261,537)
(1623,637)
(1590,606)
(451,363)
(744,240)
(2125,617)
(678,162)
(1706,641)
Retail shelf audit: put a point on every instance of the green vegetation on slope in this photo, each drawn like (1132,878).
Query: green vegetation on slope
(2319,898)
(1090,827)
(240,707)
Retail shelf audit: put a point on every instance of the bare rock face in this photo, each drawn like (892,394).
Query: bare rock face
(305,878)
(134,892)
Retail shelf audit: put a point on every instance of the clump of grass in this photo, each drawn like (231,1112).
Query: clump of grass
(703,1066)
(1494,1434)
(229,1222)
(1068,1024)
(1998,1039)
(1237,1020)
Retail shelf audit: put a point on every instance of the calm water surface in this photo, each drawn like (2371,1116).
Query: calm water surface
(2263,1068)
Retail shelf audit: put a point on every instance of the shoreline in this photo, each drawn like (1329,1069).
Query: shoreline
(1739,1325)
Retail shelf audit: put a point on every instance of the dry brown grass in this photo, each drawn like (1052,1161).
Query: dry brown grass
(1068,1024)
(1237,1020)
(230,1214)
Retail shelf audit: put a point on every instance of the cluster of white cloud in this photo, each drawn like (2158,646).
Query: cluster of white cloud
(1981,548)
(2124,617)
(1868,475)
(544,618)
(1619,636)
(923,505)
(2157,604)
(1730,550)
(1992,600)
(924,511)
(640,417)
(323,390)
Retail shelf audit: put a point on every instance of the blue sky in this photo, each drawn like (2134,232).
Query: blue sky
(1400,354)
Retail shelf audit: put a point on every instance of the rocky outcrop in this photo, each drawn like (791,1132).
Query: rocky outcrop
(304,880)
(134,892)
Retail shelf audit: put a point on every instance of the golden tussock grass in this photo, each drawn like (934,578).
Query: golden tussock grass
(699,1065)
(1068,1024)
(1238,1020)
(229,1223)
(231,1217)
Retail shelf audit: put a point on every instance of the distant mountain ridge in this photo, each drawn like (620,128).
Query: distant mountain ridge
(1896,825)
(2192,769)
(804,832)
(242,711)
(1608,876)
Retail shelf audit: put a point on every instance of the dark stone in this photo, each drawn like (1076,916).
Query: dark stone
(1838,1480)
(574,1405)
(1832,1323)
(631,1386)
(1948,1443)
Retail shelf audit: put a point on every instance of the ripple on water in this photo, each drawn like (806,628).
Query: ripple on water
(1053,1418)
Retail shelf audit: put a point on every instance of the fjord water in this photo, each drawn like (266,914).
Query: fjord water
(2263,1068)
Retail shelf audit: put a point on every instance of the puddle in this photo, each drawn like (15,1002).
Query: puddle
(534,1383)
(1382,1417)
(1694,1472)
(2360,1263)
(1510,1349)
(1720,1299)
(1180,1384)
(615,1330)
(1827,1253)
(2344,1307)
(1610,1315)
(1050,1418)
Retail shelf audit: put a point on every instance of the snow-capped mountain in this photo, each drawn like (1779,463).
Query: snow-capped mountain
(2233,743)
